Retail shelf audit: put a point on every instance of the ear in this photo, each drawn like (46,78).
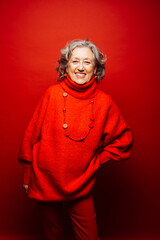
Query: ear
(95,70)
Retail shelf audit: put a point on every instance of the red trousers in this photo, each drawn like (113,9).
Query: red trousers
(82,215)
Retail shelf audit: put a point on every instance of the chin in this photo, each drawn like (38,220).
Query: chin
(80,81)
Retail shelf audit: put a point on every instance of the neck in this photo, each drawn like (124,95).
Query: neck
(87,90)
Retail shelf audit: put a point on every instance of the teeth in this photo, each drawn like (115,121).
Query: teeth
(80,74)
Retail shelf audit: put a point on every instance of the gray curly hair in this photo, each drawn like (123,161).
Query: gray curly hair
(66,54)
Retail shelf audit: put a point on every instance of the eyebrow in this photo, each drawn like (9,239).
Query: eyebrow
(84,58)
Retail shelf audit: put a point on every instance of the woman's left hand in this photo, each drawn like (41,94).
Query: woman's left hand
(26,187)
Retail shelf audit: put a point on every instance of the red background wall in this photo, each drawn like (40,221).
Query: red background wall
(32,33)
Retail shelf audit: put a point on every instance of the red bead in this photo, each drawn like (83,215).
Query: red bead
(91,125)
(67,134)
(64,109)
(65,94)
(65,125)
(92,101)
(92,118)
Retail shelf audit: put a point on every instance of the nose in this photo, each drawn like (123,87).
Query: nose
(80,66)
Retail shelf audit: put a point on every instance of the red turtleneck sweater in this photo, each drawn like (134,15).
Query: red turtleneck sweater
(74,129)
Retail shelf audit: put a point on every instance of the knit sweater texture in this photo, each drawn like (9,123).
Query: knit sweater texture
(61,161)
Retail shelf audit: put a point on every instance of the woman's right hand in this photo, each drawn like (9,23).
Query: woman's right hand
(26,187)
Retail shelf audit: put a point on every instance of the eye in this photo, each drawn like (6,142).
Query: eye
(75,61)
(87,62)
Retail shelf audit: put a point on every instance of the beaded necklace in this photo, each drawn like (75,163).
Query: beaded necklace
(65,125)
(91,118)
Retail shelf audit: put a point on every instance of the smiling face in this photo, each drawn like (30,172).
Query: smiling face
(81,66)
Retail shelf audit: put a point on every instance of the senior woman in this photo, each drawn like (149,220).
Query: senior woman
(74,130)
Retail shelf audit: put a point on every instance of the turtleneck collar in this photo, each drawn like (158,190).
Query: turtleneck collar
(87,90)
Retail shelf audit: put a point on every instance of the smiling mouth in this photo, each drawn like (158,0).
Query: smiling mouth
(80,75)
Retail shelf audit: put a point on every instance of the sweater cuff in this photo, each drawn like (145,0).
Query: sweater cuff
(104,157)
(27,172)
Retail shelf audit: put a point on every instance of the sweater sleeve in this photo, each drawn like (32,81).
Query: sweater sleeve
(117,137)
(32,136)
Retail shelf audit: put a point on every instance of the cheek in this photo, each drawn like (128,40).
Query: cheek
(70,68)
(91,71)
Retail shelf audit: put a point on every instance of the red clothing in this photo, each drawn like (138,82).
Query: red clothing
(81,213)
(61,163)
